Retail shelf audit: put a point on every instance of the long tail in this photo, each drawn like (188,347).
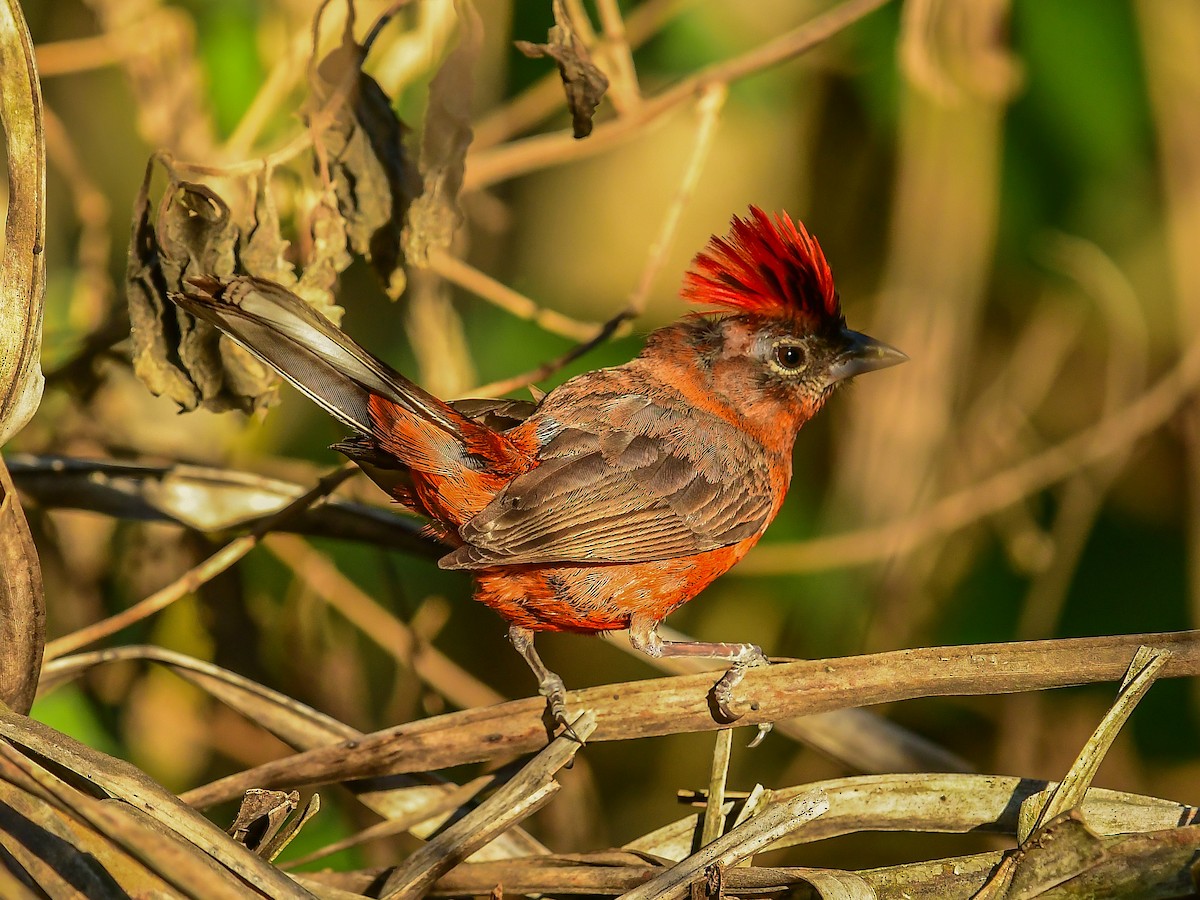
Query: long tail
(313,353)
(406,431)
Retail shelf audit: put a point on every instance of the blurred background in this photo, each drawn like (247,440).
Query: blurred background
(1006,191)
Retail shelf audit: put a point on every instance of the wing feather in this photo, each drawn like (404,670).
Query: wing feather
(624,496)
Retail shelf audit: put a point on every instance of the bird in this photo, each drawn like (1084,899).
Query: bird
(621,494)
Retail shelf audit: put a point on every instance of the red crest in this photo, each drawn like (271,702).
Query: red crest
(767,267)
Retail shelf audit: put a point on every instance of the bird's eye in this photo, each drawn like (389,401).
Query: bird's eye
(788,357)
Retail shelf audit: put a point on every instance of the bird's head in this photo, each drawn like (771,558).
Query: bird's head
(782,345)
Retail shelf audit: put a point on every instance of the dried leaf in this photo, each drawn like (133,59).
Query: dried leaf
(741,842)
(582,79)
(88,840)
(1069,793)
(521,796)
(423,805)
(154,322)
(23,266)
(121,781)
(263,250)
(285,835)
(435,215)
(22,602)
(194,233)
(1056,853)
(328,257)
(361,140)
(261,815)
(942,803)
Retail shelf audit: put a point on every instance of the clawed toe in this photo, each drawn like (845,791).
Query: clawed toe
(555,692)
(722,691)
(764,728)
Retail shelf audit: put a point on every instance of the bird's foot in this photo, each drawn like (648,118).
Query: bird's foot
(550,685)
(722,692)
(552,688)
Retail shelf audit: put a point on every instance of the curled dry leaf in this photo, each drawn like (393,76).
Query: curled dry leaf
(435,215)
(176,356)
(265,824)
(262,250)
(360,139)
(582,79)
(327,258)
(23,271)
(22,603)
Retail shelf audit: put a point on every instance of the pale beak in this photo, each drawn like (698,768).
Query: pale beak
(861,353)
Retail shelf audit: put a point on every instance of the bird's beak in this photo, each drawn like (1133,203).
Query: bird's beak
(861,353)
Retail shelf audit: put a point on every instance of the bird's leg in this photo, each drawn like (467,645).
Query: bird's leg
(550,685)
(643,634)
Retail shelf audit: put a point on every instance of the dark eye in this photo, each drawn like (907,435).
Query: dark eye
(789,356)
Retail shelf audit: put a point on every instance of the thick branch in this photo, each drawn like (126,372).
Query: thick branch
(673,705)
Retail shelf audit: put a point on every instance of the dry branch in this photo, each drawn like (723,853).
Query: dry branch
(680,704)
(488,167)
(207,499)
(527,792)
(1146,866)
(200,574)
(935,803)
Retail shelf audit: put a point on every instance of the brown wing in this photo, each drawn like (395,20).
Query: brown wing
(620,496)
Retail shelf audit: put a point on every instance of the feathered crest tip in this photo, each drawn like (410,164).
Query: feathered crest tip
(765,266)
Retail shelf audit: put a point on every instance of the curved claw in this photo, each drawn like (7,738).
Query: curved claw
(764,728)
(722,691)
(555,692)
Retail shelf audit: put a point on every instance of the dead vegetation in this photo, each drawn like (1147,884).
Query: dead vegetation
(177,555)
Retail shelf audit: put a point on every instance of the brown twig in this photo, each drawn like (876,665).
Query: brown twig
(488,167)
(471,279)
(708,107)
(712,99)
(623,81)
(197,575)
(545,370)
(520,797)
(544,97)
(75,55)
(680,704)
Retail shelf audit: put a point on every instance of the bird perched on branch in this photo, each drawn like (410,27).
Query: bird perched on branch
(622,493)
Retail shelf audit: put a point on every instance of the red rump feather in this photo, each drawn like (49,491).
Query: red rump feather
(765,267)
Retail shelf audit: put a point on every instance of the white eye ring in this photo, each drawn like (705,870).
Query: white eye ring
(788,357)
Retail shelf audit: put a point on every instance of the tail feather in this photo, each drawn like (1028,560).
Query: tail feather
(312,353)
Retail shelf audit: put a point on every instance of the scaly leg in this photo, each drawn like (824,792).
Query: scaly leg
(550,685)
(643,634)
